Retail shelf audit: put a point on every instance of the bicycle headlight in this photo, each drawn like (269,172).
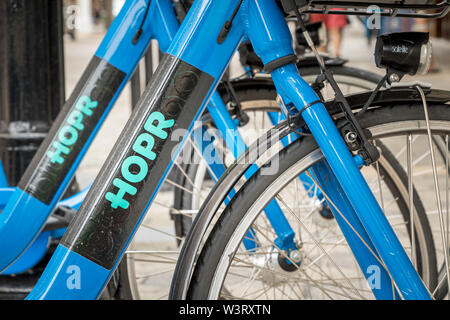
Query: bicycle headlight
(426,54)
(404,52)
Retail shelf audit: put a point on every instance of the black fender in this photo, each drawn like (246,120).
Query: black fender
(398,94)
(192,244)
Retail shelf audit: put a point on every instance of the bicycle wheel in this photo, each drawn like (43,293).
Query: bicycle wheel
(328,270)
(256,102)
(191,185)
(157,242)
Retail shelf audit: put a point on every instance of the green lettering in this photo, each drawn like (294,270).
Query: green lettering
(144,145)
(85,105)
(117,200)
(68,135)
(76,119)
(55,155)
(131,176)
(161,124)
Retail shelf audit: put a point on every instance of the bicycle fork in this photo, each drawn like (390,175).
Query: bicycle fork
(351,189)
(228,129)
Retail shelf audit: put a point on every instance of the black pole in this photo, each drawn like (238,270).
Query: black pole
(135,80)
(32,91)
(31,78)
(148,65)
(135,86)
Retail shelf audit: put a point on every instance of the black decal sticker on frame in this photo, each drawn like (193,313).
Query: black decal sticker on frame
(71,130)
(139,160)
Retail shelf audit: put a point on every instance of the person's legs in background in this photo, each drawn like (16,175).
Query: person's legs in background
(335,24)
(336,40)
(320,18)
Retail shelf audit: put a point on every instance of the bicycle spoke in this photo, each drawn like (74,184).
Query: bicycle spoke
(317,244)
(409,156)
(436,186)
(162,232)
(377,165)
(150,275)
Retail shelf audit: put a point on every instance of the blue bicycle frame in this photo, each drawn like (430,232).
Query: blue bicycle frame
(47,177)
(19,223)
(114,207)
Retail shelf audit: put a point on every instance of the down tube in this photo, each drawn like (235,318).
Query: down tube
(114,207)
(54,164)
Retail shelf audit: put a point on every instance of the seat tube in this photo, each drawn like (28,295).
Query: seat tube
(271,40)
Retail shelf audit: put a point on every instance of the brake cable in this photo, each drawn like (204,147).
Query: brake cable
(292,122)
(139,32)
(240,114)
(228,24)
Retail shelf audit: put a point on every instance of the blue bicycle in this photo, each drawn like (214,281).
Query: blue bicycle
(148,265)
(245,98)
(114,207)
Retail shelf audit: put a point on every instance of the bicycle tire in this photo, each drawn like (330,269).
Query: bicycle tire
(343,74)
(205,268)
